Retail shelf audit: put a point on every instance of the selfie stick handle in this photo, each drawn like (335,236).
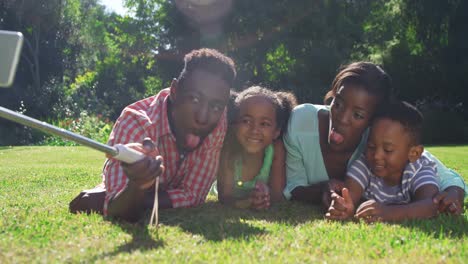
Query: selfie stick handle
(119,151)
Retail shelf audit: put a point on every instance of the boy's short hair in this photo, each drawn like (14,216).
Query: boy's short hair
(209,60)
(407,115)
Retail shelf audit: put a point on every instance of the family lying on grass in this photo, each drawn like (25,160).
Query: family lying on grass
(359,155)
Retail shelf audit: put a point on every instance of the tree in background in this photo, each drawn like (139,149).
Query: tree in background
(79,58)
(76,58)
(424,47)
(41,69)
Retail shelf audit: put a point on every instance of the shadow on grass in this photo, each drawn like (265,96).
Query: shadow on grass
(141,240)
(216,222)
(442,226)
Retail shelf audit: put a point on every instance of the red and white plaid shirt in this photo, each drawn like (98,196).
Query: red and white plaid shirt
(187,179)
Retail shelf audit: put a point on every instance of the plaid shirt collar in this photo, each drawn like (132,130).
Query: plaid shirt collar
(163,100)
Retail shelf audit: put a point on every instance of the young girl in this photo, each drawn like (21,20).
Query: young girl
(252,166)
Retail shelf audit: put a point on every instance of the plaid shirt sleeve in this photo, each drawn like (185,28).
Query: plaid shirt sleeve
(201,173)
(131,126)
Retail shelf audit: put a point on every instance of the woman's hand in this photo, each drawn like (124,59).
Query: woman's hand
(332,186)
(341,207)
(450,200)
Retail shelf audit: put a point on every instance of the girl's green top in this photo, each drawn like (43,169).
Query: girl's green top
(243,188)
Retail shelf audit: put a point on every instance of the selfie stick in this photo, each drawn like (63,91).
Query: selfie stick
(11,43)
(119,151)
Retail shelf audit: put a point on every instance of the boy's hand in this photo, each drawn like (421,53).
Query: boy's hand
(143,173)
(341,207)
(260,196)
(450,201)
(331,186)
(372,211)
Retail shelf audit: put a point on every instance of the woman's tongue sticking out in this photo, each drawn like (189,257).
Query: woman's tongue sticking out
(336,137)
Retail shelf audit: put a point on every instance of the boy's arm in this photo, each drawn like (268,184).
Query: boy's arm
(421,207)
(277,179)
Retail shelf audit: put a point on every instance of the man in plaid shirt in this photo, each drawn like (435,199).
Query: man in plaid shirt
(186,124)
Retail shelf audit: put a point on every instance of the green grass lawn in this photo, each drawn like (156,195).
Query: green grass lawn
(37,183)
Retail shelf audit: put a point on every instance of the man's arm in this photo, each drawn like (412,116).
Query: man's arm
(130,201)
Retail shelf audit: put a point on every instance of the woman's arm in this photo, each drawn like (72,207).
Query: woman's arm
(309,194)
(343,207)
(450,199)
(297,186)
(277,179)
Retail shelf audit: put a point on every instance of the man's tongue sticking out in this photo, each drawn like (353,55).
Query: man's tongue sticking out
(336,137)
(191,141)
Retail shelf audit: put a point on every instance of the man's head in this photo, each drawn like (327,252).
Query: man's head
(394,140)
(200,95)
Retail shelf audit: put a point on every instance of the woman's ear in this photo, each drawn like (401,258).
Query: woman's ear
(415,153)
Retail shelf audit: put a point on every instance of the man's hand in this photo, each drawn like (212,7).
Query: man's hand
(143,173)
(260,196)
(450,200)
(332,186)
(341,207)
(372,211)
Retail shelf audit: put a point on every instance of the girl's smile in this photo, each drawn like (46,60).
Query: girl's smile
(256,126)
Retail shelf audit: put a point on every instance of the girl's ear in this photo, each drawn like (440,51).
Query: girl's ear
(277,133)
(173,89)
(415,153)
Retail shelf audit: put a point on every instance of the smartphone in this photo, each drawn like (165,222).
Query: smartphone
(11,43)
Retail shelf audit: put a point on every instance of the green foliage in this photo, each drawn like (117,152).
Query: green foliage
(38,183)
(94,127)
(419,43)
(79,57)
(278,64)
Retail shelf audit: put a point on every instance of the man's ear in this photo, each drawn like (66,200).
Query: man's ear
(173,89)
(415,153)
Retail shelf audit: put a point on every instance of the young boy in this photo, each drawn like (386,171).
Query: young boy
(394,176)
